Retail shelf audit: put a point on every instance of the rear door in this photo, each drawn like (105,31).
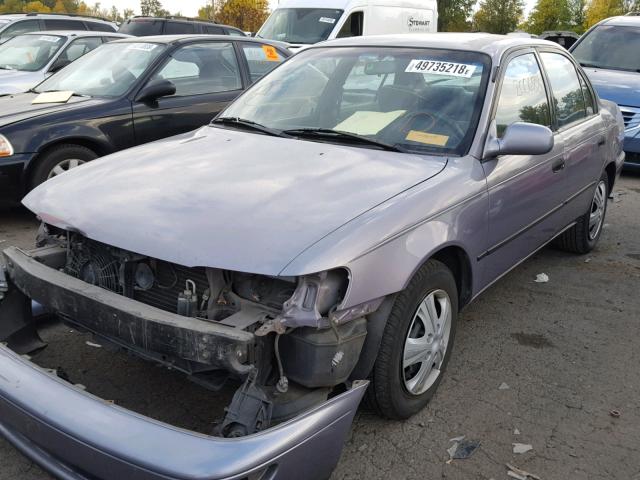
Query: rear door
(581,129)
(526,192)
(207,77)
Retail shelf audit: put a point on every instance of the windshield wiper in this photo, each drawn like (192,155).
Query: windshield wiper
(235,121)
(325,133)
(589,65)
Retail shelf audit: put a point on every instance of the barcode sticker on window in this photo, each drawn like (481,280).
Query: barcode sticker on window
(327,20)
(145,47)
(438,67)
(48,38)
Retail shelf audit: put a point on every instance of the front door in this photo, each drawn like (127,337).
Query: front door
(526,192)
(207,78)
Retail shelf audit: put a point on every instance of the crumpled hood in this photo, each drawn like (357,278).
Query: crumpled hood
(618,86)
(223,198)
(14,81)
(15,108)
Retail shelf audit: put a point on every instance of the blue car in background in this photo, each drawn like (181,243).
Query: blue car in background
(610,54)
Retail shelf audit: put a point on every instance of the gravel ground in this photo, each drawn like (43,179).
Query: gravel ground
(567,350)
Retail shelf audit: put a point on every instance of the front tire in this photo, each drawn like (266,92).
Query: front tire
(584,235)
(59,160)
(416,344)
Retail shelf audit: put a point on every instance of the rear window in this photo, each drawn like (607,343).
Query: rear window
(100,27)
(142,27)
(58,24)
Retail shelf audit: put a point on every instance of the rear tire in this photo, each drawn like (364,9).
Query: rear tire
(416,344)
(584,235)
(59,160)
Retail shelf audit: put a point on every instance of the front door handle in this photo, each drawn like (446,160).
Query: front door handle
(558,165)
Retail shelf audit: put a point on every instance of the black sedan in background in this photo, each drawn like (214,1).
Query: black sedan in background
(123,94)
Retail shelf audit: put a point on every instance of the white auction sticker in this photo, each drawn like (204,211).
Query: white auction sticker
(327,20)
(438,67)
(145,47)
(48,38)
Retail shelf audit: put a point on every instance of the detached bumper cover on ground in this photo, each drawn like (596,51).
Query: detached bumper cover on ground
(75,435)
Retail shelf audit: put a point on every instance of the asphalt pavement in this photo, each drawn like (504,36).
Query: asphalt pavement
(540,364)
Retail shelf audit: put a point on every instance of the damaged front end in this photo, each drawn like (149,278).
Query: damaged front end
(284,341)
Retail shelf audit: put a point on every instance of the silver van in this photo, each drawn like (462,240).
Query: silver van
(15,24)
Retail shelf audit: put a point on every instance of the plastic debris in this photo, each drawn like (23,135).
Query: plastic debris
(522,447)
(587,260)
(503,386)
(461,448)
(516,431)
(518,473)
(615,413)
(542,278)
(94,345)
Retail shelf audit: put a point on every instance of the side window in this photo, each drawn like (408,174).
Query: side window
(58,24)
(589,102)
(523,97)
(211,30)
(261,59)
(178,28)
(353,27)
(202,68)
(99,27)
(567,93)
(80,47)
(18,28)
(235,33)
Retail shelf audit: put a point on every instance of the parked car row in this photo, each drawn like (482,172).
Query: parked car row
(125,93)
(312,245)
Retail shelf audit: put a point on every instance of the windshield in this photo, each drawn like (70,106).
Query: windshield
(108,71)
(610,47)
(420,100)
(29,53)
(300,25)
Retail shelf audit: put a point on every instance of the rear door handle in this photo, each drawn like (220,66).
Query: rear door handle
(558,165)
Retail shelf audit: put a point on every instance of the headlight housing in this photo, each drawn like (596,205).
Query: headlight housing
(6,149)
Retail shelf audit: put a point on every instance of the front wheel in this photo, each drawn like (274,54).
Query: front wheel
(584,235)
(416,344)
(59,160)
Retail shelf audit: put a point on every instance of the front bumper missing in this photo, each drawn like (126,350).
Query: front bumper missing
(75,435)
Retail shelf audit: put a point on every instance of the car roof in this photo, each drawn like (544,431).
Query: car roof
(178,39)
(625,21)
(78,33)
(490,44)
(51,16)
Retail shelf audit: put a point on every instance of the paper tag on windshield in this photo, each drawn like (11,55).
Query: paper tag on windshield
(270,53)
(145,47)
(49,38)
(437,67)
(427,138)
(52,97)
(327,20)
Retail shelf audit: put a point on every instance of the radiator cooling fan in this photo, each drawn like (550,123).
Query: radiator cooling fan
(94,266)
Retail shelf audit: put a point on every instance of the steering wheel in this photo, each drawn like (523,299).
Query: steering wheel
(435,118)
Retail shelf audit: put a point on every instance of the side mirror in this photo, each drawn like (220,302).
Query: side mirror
(155,90)
(521,139)
(59,64)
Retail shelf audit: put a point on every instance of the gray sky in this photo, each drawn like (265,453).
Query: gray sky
(190,8)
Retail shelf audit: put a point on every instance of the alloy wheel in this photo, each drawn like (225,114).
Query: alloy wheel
(64,166)
(598,206)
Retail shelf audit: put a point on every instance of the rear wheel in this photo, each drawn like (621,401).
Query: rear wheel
(584,235)
(416,344)
(59,160)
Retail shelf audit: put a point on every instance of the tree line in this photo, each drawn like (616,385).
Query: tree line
(494,16)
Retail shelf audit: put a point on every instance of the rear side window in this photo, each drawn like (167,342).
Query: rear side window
(353,27)
(589,101)
(178,28)
(202,68)
(99,27)
(235,33)
(142,27)
(18,28)
(59,24)
(522,96)
(211,30)
(566,89)
(261,59)
(80,47)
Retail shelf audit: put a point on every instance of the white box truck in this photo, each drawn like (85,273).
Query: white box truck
(304,22)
